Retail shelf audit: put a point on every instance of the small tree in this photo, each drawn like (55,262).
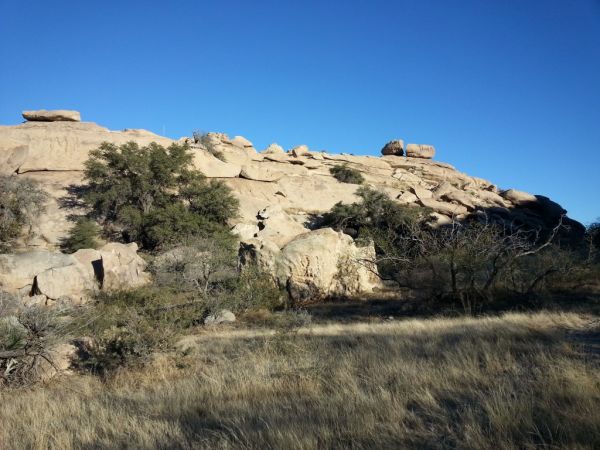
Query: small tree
(21,202)
(153,195)
(346,174)
(84,234)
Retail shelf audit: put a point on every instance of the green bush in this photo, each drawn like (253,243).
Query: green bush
(21,202)
(84,234)
(154,196)
(346,174)
(125,328)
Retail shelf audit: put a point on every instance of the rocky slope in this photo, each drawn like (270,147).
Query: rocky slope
(278,190)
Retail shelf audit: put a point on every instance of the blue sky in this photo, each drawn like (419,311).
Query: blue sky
(508,90)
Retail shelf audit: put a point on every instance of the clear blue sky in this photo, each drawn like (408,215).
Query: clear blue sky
(508,90)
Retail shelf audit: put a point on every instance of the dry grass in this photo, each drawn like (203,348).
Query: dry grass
(518,381)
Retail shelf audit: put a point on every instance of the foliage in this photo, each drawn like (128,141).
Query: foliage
(203,266)
(593,238)
(84,234)
(346,174)
(126,327)
(471,263)
(153,195)
(205,140)
(27,339)
(21,202)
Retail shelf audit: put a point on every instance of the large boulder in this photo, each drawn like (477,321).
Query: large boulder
(301,150)
(17,271)
(55,115)
(56,276)
(420,151)
(317,265)
(241,141)
(122,268)
(274,149)
(395,147)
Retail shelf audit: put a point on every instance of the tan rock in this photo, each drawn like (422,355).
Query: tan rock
(420,151)
(421,193)
(241,141)
(460,197)
(324,263)
(448,209)
(213,167)
(13,154)
(518,197)
(407,197)
(300,150)
(56,115)
(245,231)
(122,267)
(258,173)
(278,226)
(274,149)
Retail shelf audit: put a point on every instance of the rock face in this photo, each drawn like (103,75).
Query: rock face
(420,151)
(317,264)
(395,147)
(279,194)
(58,276)
(56,115)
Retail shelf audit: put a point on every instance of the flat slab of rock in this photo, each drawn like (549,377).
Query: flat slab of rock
(420,151)
(55,115)
(257,173)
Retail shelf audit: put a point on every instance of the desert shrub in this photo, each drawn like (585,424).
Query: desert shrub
(205,140)
(593,238)
(84,234)
(253,290)
(202,266)
(472,263)
(379,219)
(207,269)
(346,174)
(21,202)
(125,328)
(154,196)
(27,339)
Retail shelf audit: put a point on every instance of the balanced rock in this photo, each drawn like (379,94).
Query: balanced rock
(395,147)
(55,115)
(420,151)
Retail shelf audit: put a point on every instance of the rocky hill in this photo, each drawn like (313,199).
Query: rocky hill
(279,191)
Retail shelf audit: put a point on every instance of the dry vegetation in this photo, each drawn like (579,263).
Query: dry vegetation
(516,381)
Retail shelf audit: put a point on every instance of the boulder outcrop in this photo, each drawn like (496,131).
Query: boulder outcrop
(279,193)
(55,115)
(57,276)
(317,264)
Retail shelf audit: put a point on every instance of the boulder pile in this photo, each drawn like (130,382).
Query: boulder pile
(279,192)
(44,277)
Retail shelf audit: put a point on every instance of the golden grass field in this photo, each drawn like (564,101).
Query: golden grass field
(517,381)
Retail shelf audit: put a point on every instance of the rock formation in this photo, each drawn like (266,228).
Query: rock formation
(395,147)
(279,193)
(57,115)
(50,276)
